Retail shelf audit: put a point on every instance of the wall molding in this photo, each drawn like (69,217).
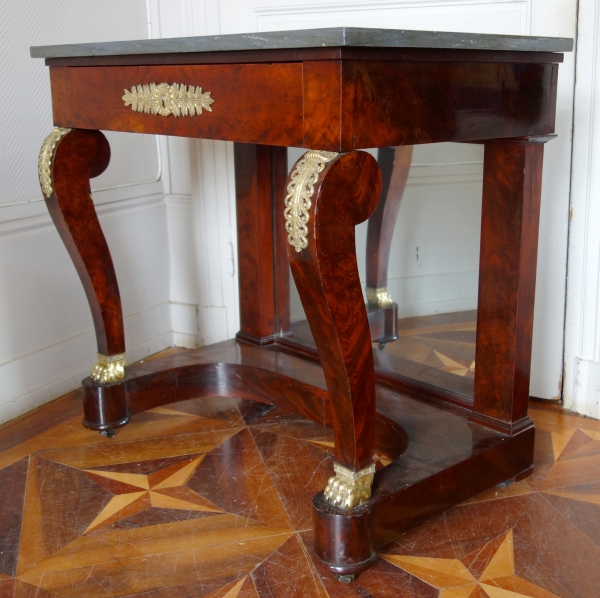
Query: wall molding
(263,13)
(372,6)
(126,317)
(585,397)
(33,216)
(437,175)
(41,382)
(47,340)
(173,200)
(214,217)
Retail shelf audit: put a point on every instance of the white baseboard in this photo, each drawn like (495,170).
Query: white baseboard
(187,341)
(184,320)
(453,291)
(434,294)
(32,380)
(196,326)
(212,325)
(585,398)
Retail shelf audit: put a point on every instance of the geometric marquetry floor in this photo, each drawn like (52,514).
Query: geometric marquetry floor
(445,342)
(212,498)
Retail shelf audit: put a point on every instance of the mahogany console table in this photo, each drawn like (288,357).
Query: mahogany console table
(333,92)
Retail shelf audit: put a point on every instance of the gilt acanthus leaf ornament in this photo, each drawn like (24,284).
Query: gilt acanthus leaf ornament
(109,368)
(347,489)
(164,99)
(45,159)
(299,193)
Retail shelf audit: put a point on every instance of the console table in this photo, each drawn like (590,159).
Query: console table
(333,92)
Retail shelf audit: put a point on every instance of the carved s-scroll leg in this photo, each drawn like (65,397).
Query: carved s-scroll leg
(327,196)
(68,159)
(395,165)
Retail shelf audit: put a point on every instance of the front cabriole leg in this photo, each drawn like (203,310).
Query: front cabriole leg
(382,311)
(68,160)
(327,196)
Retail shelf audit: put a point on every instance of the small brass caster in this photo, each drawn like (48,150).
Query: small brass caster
(107,433)
(382,346)
(345,578)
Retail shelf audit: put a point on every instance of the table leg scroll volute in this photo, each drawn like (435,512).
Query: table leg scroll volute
(327,196)
(68,160)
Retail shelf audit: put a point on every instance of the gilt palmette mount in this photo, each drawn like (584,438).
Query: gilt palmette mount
(46,156)
(298,200)
(163,99)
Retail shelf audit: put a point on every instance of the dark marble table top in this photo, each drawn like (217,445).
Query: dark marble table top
(311,38)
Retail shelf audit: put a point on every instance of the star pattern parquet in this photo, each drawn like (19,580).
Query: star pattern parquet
(436,350)
(212,498)
(444,342)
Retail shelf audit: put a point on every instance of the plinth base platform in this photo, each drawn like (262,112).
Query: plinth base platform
(430,457)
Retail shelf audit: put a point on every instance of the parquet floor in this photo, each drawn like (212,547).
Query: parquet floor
(212,498)
(445,342)
(437,350)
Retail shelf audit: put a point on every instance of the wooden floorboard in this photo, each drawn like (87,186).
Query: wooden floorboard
(212,498)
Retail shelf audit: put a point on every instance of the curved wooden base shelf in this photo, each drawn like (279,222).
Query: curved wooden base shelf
(438,457)
(194,381)
(402,499)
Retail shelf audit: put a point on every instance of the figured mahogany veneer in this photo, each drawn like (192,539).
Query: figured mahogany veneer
(395,165)
(326,275)
(335,105)
(512,184)
(80,156)
(340,100)
(248,382)
(254,167)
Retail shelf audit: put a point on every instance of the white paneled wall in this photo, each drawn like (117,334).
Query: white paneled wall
(202,242)
(443,194)
(47,343)
(489,16)
(429,273)
(200,198)
(27,114)
(175,254)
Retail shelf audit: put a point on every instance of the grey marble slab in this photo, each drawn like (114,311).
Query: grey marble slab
(311,38)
